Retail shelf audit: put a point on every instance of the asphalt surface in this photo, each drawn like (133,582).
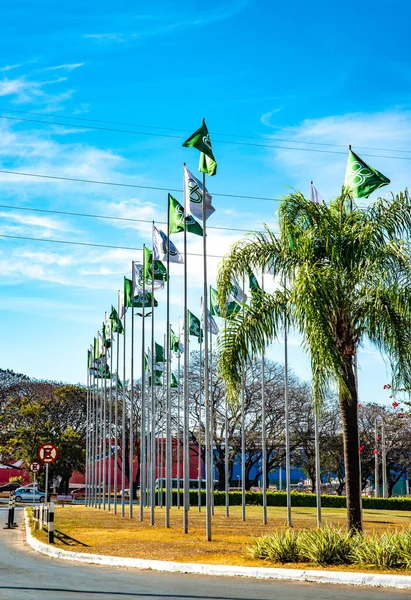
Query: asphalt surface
(26,574)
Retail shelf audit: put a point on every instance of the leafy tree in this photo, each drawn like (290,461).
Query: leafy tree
(345,277)
(45,412)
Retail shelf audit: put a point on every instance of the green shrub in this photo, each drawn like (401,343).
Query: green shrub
(298,499)
(278,547)
(326,546)
(379,551)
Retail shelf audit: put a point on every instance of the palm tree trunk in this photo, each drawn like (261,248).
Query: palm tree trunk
(348,407)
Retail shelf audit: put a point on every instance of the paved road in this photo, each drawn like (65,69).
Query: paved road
(26,574)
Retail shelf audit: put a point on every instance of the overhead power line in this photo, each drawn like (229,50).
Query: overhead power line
(166,135)
(130,185)
(108,217)
(162,128)
(71,243)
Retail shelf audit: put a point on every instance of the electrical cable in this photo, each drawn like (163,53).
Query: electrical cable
(108,217)
(130,185)
(164,135)
(92,245)
(74,118)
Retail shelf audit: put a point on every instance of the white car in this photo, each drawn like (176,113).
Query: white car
(26,494)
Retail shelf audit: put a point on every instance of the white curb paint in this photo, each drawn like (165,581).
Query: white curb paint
(402,582)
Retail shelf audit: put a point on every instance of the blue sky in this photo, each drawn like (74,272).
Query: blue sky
(266,76)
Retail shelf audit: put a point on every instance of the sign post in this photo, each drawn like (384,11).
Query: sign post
(47,453)
(34,468)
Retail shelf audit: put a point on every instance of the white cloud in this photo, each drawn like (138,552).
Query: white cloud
(370,136)
(36,221)
(66,67)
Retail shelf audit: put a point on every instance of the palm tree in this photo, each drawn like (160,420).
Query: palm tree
(343,275)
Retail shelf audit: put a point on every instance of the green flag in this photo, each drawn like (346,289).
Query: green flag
(158,378)
(116,323)
(102,372)
(252,282)
(174,382)
(97,353)
(160,272)
(200,139)
(194,327)
(231,308)
(128,292)
(160,358)
(137,301)
(361,179)
(176,218)
(174,342)
(88,359)
(146,365)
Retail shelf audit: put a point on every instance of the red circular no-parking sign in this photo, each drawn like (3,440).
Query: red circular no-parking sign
(47,453)
(35,467)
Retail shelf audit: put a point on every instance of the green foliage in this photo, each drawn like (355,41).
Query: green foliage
(379,550)
(278,547)
(332,546)
(326,546)
(297,499)
(18,479)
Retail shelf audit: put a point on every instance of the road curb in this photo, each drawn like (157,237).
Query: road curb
(402,582)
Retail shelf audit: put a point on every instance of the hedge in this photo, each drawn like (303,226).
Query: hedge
(297,499)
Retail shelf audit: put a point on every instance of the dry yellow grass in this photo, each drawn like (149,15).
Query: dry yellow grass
(95,531)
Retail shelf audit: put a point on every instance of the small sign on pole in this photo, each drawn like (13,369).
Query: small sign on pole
(47,453)
(35,467)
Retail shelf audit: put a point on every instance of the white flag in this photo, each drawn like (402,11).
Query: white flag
(193,196)
(212,326)
(161,244)
(316,196)
(137,278)
(121,308)
(236,293)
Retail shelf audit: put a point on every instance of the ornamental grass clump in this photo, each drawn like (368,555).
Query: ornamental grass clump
(326,546)
(279,547)
(391,550)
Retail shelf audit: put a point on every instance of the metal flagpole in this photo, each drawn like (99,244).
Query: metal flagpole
(131,425)
(153,398)
(244,375)
(87,482)
(186,448)
(100,439)
(199,477)
(178,418)
(110,420)
(105,432)
(287,429)
(211,417)
(115,474)
(384,461)
(226,459)
(143,472)
(206,378)
(376,466)
(263,429)
(317,467)
(359,444)
(168,379)
(92,440)
(243,514)
(123,421)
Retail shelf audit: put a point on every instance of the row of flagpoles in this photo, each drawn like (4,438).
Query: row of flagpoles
(148,276)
